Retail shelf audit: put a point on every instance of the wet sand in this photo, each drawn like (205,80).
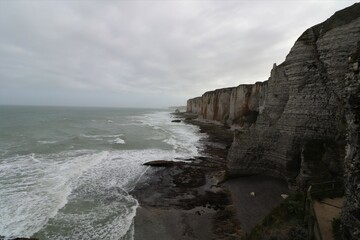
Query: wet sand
(251,209)
(190,200)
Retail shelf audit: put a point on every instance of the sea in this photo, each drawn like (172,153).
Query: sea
(68,172)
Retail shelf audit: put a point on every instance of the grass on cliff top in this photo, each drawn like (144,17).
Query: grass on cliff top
(284,222)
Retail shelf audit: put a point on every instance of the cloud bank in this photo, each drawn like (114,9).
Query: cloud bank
(143,53)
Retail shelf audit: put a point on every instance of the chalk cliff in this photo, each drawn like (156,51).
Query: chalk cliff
(351,210)
(293,125)
(236,106)
(194,105)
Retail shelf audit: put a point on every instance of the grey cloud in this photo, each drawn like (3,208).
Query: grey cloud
(144,53)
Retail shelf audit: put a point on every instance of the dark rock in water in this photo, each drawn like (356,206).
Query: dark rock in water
(177,121)
(177,110)
(162,163)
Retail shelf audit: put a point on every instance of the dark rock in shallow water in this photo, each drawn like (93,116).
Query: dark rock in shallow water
(163,163)
(177,121)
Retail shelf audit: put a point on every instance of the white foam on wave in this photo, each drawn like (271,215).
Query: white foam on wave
(119,141)
(3,152)
(46,142)
(104,209)
(101,137)
(83,194)
(80,194)
(171,141)
(184,138)
(35,187)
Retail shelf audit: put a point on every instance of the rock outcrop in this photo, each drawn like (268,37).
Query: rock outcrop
(298,124)
(351,211)
(293,125)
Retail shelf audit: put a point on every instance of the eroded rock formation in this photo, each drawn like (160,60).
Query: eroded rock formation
(298,124)
(236,106)
(194,105)
(351,211)
(292,125)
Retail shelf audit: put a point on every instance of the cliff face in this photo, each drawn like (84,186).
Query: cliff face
(300,133)
(293,126)
(351,210)
(215,105)
(194,105)
(298,124)
(246,102)
(237,106)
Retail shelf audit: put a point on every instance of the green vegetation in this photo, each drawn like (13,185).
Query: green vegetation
(284,222)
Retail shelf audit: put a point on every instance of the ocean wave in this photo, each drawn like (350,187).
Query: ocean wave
(101,136)
(104,188)
(29,199)
(46,142)
(67,191)
(119,141)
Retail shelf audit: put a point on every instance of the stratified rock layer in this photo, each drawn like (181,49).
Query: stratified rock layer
(351,211)
(295,125)
(292,125)
(237,106)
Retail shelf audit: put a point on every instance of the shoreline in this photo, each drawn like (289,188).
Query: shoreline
(193,199)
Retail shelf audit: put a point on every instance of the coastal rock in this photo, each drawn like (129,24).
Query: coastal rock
(303,122)
(162,163)
(237,106)
(300,133)
(194,105)
(351,210)
(246,103)
(216,104)
(176,121)
(293,126)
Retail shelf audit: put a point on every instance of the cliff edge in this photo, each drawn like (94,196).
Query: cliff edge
(300,132)
(298,124)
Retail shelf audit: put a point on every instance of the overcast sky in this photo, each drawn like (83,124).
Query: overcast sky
(143,53)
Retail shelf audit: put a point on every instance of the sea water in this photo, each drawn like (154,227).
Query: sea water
(66,173)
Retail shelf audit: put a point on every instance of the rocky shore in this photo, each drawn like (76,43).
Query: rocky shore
(192,199)
(302,124)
